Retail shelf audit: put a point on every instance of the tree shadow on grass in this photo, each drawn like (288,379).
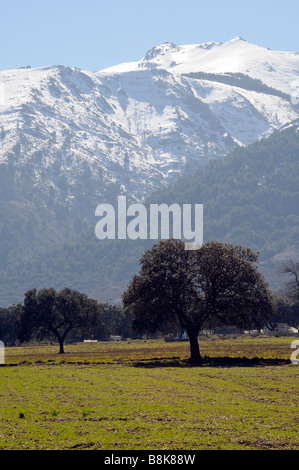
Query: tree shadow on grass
(212,362)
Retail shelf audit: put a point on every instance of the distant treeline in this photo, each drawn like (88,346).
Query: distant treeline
(115,321)
(118,321)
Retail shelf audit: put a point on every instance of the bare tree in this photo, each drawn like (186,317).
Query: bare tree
(291,267)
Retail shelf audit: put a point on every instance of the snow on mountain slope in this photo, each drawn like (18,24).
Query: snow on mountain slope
(276,69)
(77,138)
(166,56)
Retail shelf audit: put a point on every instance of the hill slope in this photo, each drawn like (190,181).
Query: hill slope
(71,139)
(250,197)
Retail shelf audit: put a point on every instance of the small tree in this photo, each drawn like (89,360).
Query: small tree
(48,314)
(291,267)
(290,303)
(213,286)
(9,324)
(286,311)
(294,315)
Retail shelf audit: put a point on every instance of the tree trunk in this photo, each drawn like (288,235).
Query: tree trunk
(61,339)
(61,348)
(195,357)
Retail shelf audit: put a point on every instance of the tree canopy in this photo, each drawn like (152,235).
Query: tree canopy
(47,314)
(214,286)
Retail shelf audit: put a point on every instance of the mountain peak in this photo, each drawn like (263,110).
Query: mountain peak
(161,49)
(237,38)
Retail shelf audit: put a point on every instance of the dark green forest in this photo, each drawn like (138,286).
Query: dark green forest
(250,197)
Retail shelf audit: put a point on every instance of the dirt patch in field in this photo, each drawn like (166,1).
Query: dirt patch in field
(215,362)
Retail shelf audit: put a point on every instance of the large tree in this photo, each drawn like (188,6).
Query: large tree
(216,285)
(47,314)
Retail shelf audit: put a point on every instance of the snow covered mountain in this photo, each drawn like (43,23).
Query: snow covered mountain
(276,69)
(76,138)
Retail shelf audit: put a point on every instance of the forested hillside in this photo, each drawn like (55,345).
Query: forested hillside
(250,197)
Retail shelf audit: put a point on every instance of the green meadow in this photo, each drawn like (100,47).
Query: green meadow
(142,395)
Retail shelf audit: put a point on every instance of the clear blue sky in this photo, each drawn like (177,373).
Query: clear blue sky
(94,34)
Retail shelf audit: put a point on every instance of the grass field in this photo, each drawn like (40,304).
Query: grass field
(142,395)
